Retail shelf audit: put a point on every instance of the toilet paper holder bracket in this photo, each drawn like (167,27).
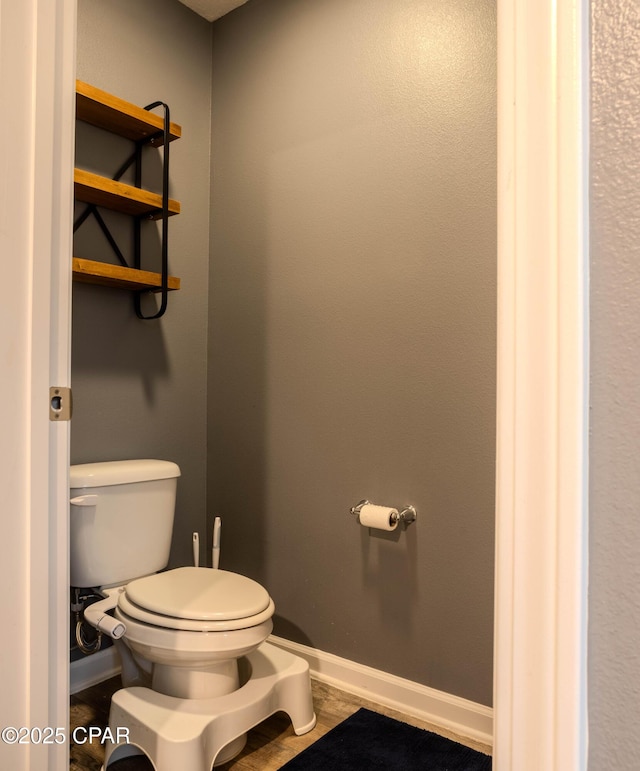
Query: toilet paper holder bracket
(405,516)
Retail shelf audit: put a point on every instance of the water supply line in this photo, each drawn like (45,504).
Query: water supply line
(86,646)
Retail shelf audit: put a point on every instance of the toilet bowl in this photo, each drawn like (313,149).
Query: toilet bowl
(193,624)
(181,633)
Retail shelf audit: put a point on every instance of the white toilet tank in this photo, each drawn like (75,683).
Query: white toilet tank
(121,520)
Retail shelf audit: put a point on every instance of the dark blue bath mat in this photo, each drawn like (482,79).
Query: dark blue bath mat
(367,740)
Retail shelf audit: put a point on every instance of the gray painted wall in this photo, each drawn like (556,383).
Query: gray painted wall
(352,324)
(140,386)
(614,576)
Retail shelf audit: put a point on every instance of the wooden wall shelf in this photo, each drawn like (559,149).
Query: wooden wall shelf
(142,127)
(118,277)
(127,199)
(114,114)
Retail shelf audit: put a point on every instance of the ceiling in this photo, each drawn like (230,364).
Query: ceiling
(212,9)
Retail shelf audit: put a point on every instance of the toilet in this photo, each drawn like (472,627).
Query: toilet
(196,668)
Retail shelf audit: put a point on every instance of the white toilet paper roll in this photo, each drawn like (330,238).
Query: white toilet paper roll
(380,517)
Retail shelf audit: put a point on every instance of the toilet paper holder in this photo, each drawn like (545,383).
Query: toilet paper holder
(405,516)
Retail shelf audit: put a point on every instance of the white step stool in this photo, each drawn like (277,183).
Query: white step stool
(189,733)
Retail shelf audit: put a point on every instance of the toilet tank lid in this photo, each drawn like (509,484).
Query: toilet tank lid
(121,472)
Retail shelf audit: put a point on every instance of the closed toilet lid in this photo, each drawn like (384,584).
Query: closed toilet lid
(199,594)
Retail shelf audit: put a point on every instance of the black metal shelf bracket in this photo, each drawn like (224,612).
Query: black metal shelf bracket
(165,217)
(135,159)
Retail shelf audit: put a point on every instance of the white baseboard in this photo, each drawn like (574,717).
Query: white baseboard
(93,669)
(464,718)
(460,716)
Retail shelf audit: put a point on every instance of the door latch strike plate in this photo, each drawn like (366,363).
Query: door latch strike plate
(60,403)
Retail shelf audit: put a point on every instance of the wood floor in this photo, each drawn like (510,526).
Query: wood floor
(269,746)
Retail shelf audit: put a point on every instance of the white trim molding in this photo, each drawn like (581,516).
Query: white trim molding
(541,538)
(459,716)
(37,69)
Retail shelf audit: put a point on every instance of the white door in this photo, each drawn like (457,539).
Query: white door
(37,64)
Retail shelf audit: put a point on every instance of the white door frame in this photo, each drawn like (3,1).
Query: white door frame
(37,66)
(541,502)
(540,660)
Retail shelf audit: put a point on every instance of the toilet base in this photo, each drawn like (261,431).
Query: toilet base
(190,733)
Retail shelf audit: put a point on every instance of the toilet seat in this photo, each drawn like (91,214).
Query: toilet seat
(197,599)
